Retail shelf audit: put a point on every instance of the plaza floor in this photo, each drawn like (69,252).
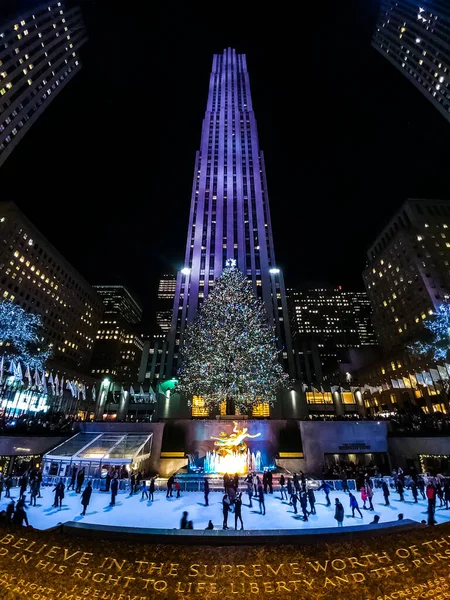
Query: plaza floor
(162,513)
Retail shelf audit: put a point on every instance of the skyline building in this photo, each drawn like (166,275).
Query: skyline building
(118,347)
(408,271)
(34,275)
(166,293)
(414,37)
(229,214)
(38,57)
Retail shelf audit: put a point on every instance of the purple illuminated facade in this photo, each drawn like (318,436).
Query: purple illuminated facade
(229,216)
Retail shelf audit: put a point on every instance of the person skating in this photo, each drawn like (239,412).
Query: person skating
(369,494)
(413,488)
(283,487)
(206,490)
(236,482)
(226,482)
(20,515)
(184,520)
(177,487)
(238,511)
(431,496)
(327,489)
(86,497)
(114,489)
(304,505)
(80,480)
(144,489)
(262,506)
(440,494)
(9,513)
(34,492)
(249,483)
(290,490)
(73,478)
(170,482)
(1,485)
(255,479)
(339,512)
(59,493)
(138,480)
(270,481)
(132,483)
(354,505)
(386,492)
(312,501)
(210,525)
(344,481)
(225,510)
(109,475)
(8,486)
(421,487)
(296,483)
(446,493)
(294,500)
(400,490)
(376,520)
(151,490)
(265,481)
(23,482)
(39,480)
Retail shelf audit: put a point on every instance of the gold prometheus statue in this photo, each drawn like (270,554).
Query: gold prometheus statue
(234,442)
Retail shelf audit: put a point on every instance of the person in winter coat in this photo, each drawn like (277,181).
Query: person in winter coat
(114,489)
(236,482)
(312,501)
(386,492)
(1,485)
(9,513)
(283,487)
(206,490)
(440,494)
(178,488)
(34,492)
(151,490)
(363,496)
(354,505)
(270,481)
(431,496)
(421,486)
(249,484)
(132,483)
(262,506)
(296,483)
(400,489)
(184,520)
(225,510)
(144,489)
(327,489)
(80,480)
(20,515)
(415,493)
(170,483)
(255,484)
(290,490)
(73,478)
(344,481)
(86,497)
(304,505)
(265,481)
(339,513)
(23,482)
(238,511)
(294,500)
(446,494)
(210,525)
(8,486)
(369,494)
(59,493)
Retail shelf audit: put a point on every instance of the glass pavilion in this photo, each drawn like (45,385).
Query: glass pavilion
(98,452)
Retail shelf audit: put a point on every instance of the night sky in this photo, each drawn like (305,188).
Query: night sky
(106,172)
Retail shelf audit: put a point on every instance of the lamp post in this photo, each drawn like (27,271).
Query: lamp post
(103,396)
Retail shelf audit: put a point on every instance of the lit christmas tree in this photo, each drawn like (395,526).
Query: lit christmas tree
(437,344)
(229,351)
(20,336)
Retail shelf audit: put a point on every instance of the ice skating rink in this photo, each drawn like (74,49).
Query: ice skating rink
(132,511)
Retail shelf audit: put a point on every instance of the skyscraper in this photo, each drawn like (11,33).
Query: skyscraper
(414,36)
(408,272)
(166,293)
(119,303)
(38,57)
(229,216)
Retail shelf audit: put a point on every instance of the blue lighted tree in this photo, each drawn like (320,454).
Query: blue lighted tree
(229,351)
(21,337)
(437,344)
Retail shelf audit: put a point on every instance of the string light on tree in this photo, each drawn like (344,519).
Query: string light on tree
(229,351)
(438,327)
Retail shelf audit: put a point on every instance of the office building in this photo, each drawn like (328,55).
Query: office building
(415,38)
(327,321)
(229,213)
(164,308)
(118,345)
(39,55)
(34,275)
(408,271)
(120,303)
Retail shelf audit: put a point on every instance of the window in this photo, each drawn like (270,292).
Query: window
(319,398)
(348,398)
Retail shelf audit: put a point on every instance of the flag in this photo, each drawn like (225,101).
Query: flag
(18,372)
(131,391)
(334,389)
(12,368)
(50,379)
(141,391)
(61,387)
(315,390)
(28,375)
(1,371)
(37,381)
(93,393)
(43,383)
(304,387)
(56,384)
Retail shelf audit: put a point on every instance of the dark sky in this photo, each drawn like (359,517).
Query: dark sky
(106,172)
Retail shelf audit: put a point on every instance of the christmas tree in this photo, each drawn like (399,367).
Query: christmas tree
(229,351)
(20,336)
(437,335)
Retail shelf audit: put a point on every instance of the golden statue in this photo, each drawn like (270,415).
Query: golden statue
(234,442)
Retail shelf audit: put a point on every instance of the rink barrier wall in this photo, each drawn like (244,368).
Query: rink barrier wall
(219,537)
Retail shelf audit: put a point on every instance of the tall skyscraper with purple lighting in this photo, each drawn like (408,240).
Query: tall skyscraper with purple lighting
(229,216)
